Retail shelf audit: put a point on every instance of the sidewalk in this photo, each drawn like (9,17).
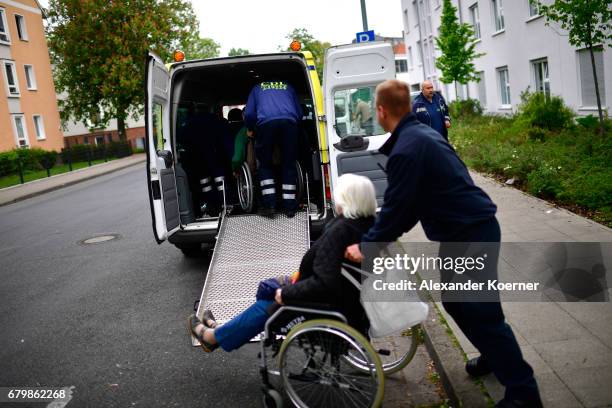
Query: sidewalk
(569,345)
(33,188)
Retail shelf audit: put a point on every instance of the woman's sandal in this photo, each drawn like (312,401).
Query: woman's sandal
(192,322)
(208,317)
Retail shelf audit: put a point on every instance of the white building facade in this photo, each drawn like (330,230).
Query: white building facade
(521,53)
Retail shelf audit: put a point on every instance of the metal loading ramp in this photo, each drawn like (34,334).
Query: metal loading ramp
(250,248)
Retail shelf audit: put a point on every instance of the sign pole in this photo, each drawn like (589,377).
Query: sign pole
(364,15)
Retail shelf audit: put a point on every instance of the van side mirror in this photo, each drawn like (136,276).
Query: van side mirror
(167,156)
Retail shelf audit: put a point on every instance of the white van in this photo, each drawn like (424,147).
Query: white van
(327,148)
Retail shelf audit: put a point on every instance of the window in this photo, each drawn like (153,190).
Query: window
(355,113)
(158,128)
(474,14)
(86,140)
(542,80)
(39,127)
(534,10)
(21,133)
(401,66)
(4,32)
(22,32)
(482,90)
(30,78)
(589,97)
(99,140)
(504,85)
(11,78)
(410,58)
(498,14)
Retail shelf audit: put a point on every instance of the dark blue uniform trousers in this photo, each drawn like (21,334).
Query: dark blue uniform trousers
(282,132)
(484,322)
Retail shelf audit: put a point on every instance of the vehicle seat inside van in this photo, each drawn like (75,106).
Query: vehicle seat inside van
(234,116)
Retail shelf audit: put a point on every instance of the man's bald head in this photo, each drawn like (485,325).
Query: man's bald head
(427,89)
(394,97)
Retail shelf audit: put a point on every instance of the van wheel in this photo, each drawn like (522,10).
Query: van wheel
(190,250)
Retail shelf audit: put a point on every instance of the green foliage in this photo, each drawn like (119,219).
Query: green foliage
(98,46)
(78,153)
(457,44)
(48,159)
(201,48)
(544,112)
(235,52)
(465,108)
(589,24)
(309,43)
(570,166)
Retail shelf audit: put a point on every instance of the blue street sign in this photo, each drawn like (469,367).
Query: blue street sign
(366,36)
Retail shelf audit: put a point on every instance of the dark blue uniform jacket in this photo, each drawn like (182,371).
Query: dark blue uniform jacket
(433,113)
(428,182)
(272,100)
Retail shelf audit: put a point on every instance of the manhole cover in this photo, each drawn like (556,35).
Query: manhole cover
(99,239)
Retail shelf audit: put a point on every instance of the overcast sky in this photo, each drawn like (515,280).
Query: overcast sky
(261,26)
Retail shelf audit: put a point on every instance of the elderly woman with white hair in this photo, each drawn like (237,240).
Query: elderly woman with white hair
(320,279)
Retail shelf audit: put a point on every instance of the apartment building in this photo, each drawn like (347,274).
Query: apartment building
(76,133)
(28,108)
(521,52)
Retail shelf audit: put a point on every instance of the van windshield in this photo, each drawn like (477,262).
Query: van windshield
(355,112)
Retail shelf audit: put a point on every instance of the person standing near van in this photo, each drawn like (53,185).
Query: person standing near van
(273,112)
(428,182)
(430,108)
(363,113)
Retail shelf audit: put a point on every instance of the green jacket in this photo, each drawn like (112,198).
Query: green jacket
(240,148)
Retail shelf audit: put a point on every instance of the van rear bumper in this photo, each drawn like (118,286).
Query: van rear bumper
(204,236)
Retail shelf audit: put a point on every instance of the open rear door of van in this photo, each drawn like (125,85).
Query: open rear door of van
(354,135)
(160,158)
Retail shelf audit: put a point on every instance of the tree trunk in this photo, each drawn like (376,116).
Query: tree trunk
(456,91)
(601,118)
(121,128)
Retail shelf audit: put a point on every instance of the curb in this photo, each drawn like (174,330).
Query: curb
(449,359)
(48,189)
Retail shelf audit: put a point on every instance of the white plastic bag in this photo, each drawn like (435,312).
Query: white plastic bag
(388,317)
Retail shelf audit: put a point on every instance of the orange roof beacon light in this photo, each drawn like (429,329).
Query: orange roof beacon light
(178,56)
(295,46)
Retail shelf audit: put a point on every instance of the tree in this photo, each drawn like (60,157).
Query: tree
(457,44)
(309,43)
(235,52)
(589,25)
(201,48)
(97,48)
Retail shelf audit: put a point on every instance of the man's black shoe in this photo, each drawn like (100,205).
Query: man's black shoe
(290,213)
(477,367)
(267,212)
(508,403)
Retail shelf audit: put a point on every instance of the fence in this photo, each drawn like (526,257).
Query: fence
(23,165)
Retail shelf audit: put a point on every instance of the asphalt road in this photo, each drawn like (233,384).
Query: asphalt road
(107,318)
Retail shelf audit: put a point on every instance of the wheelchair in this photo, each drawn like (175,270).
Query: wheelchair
(311,352)
(246,180)
(321,361)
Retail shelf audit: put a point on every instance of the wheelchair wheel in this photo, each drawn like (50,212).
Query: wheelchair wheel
(246,188)
(272,399)
(315,372)
(395,352)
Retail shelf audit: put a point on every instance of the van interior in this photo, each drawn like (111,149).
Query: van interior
(204,131)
